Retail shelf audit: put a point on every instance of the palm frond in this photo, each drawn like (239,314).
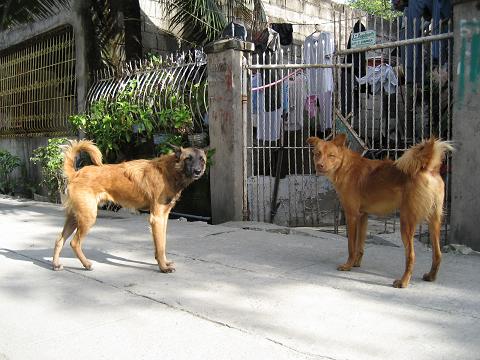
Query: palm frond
(17,12)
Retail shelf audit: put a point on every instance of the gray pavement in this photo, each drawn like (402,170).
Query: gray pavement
(241,291)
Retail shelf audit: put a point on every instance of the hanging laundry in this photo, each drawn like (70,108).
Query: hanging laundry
(258,96)
(269,125)
(285,31)
(293,103)
(378,76)
(318,49)
(349,99)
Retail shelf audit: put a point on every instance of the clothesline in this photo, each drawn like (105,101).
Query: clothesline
(276,82)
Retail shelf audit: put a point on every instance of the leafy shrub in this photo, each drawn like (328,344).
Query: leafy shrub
(50,159)
(112,124)
(115,124)
(8,163)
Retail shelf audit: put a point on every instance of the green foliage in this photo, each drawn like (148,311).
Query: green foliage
(50,159)
(381,8)
(113,124)
(116,124)
(176,120)
(8,163)
(165,148)
(16,12)
(210,154)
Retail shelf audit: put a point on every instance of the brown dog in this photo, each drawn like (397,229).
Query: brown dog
(153,185)
(412,184)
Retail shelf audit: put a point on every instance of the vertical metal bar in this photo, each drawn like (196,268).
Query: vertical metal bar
(406,94)
(288,146)
(381,126)
(246,90)
(414,87)
(440,82)
(374,95)
(389,99)
(423,83)
(448,170)
(431,88)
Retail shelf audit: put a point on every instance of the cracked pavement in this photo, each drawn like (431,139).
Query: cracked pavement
(241,291)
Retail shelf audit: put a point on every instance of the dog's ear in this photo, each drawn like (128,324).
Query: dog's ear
(340,140)
(177,149)
(313,140)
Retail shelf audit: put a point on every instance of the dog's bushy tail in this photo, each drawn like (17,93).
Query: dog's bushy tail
(426,156)
(74,149)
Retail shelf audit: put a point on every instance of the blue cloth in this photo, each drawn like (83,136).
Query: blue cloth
(436,10)
(285,96)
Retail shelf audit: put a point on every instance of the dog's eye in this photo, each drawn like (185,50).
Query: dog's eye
(190,157)
(331,155)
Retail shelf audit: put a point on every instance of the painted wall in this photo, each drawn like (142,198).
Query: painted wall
(466,126)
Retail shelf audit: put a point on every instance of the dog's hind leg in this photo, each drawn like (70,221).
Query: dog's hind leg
(434,229)
(360,239)
(407,228)
(85,220)
(68,229)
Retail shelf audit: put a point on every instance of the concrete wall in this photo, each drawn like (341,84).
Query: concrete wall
(466,125)
(156,36)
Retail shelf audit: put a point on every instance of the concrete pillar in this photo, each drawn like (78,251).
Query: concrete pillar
(226,104)
(465,125)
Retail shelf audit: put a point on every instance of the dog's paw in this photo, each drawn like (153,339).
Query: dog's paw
(167,269)
(57,267)
(429,277)
(344,267)
(88,266)
(399,284)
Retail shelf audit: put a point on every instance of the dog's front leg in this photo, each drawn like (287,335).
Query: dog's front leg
(352,222)
(158,222)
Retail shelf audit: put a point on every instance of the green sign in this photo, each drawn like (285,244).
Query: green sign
(364,38)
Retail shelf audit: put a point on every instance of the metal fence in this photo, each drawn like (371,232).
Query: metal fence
(38,86)
(387,97)
(161,83)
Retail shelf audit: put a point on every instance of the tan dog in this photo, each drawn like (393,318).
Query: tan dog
(153,185)
(412,184)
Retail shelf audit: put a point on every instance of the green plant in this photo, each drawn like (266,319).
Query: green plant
(113,124)
(210,153)
(381,8)
(8,163)
(50,159)
(165,146)
(176,120)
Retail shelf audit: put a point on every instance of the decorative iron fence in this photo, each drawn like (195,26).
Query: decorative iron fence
(161,83)
(38,86)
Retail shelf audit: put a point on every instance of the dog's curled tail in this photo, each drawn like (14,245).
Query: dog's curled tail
(74,149)
(426,156)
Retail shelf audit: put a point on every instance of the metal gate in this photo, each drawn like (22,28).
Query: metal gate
(387,96)
(38,86)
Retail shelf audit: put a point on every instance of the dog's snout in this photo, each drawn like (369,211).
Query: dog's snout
(197,172)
